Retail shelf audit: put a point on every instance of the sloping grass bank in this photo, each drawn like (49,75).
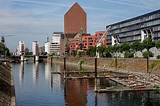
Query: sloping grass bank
(123,64)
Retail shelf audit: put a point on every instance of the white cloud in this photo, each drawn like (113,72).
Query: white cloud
(140,3)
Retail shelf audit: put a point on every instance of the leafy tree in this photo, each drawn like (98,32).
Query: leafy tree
(91,51)
(101,49)
(157,44)
(148,43)
(44,53)
(115,49)
(147,54)
(4,50)
(108,51)
(125,47)
(136,46)
(128,55)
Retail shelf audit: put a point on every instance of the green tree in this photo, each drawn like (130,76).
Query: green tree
(147,54)
(108,51)
(91,51)
(157,44)
(115,49)
(148,43)
(125,47)
(136,46)
(44,53)
(4,50)
(101,50)
(128,55)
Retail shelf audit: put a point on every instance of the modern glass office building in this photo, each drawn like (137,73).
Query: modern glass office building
(137,28)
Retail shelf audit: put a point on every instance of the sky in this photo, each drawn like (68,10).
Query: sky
(34,20)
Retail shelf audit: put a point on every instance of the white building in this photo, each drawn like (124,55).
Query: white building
(47,47)
(55,44)
(53,47)
(20,48)
(35,48)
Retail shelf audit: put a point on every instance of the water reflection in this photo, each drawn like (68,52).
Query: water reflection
(51,89)
(56,79)
(76,92)
(35,72)
(47,71)
(21,73)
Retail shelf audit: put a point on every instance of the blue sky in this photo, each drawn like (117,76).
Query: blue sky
(31,20)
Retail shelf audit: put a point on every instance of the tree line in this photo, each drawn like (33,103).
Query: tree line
(4,51)
(128,49)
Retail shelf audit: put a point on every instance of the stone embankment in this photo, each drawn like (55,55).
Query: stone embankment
(137,65)
(7,91)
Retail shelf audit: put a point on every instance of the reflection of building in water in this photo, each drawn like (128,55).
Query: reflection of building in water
(76,92)
(21,73)
(56,79)
(47,71)
(35,72)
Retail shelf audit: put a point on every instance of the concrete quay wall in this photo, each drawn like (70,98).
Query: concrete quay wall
(7,90)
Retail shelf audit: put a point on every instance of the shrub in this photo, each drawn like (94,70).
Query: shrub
(158,57)
(128,55)
(108,54)
(146,54)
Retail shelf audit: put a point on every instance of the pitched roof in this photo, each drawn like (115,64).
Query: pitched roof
(74,7)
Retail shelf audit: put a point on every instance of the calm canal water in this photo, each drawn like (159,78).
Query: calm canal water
(36,86)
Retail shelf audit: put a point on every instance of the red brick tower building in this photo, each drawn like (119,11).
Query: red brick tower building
(74,18)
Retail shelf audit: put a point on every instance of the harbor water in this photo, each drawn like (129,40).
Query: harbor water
(35,85)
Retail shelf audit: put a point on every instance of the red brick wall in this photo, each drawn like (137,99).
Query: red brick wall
(74,18)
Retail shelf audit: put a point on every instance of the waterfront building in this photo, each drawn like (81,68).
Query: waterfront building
(47,47)
(87,41)
(26,50)
(41,49)
(55,43)
(137,28)
(53,46)
(64,43)
(35,48)
(20,48)
(74,18)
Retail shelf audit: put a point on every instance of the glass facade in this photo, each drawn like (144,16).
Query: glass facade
(130,30)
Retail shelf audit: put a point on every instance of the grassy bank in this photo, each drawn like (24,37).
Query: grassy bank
(123,64)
